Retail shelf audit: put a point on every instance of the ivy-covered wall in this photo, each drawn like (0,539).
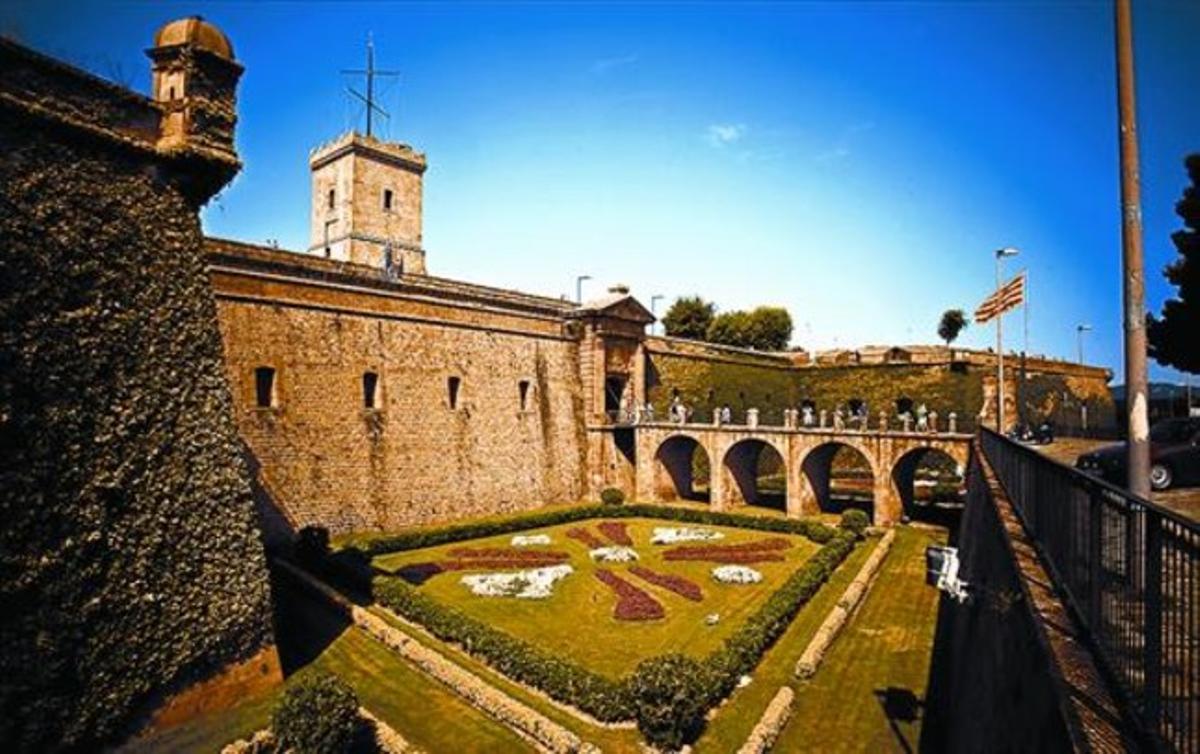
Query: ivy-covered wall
(939,387)
(705,377)
(704,382)
(131,561)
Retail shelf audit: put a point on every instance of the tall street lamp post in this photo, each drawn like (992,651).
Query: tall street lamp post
(579,287)
(654,309)
(1079,331)
(1007,251)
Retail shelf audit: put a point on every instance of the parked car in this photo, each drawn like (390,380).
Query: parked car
(1037,434)
(1174,456)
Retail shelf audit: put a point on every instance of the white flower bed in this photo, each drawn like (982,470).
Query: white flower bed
(533,584)
(671,535)
(736,574)
(614,555)
(529,540)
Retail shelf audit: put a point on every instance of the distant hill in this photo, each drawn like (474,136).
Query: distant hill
(1160,391)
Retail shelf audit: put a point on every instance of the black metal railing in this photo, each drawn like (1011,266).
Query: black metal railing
(1129,569)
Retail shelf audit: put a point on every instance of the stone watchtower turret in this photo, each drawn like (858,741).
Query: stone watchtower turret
(194,84)
(366,203)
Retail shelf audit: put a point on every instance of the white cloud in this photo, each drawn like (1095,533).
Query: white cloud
(604,65)
(722,134)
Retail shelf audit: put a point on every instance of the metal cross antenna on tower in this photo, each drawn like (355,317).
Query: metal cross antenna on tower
(370,72)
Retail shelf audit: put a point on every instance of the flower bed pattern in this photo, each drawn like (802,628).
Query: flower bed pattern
(533,584)
(507,553)
(685,588)
(482,559)
(613,554)
(616,532)
(633,603)
(530,540)
(580,534)
(758,551)
(736,574)
(664,535)
(570,683)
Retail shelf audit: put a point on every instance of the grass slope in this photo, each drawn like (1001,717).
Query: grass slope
(866,696)
(427,714)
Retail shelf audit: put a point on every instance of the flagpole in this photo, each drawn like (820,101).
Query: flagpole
(1024,347)
(999,357)
(1007,251)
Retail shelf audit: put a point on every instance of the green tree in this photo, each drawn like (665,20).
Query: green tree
(953,322)
(767,328)
(770,328)
(730,329)
(689,317)
(1174,339)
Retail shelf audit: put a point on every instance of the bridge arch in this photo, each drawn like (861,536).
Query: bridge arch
(928,479)
(681,469)
(840,475)
(755,473)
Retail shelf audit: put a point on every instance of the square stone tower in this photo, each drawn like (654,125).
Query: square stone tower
(366,203)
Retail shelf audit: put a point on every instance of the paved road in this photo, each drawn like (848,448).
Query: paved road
(1185,501)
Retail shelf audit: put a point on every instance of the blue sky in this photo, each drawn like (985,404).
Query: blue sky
(855,162)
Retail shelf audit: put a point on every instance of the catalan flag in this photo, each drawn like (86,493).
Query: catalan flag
(1006,297)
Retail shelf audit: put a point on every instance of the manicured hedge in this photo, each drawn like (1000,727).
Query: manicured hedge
(608,700)
(318,714)
(563,680)
(421,538)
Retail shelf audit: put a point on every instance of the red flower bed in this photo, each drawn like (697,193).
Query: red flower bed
(480,559)
(506,553)
(633,603)
(586,537)
(615,531)
(758,551)
(683,587)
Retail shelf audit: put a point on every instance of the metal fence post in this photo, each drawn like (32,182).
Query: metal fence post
(1096,562)
(1152,604)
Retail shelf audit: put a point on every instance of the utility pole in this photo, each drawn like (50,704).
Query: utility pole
(1136,398)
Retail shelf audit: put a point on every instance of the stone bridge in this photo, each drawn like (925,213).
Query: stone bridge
(663,463)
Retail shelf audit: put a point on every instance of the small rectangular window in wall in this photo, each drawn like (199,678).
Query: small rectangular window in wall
(264,387)
(370,387)
(330,198)
(452,385)
(523,393)
(387,200)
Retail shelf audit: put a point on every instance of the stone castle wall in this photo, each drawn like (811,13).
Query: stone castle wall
(326,459)
(705,376)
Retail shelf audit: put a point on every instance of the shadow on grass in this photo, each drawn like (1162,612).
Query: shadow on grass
(304,626)
(899,706)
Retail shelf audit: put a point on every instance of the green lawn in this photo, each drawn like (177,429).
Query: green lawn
(866,696)
(427,714)
(581,601)
(738,716)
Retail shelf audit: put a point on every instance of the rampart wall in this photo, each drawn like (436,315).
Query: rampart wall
(512,440)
